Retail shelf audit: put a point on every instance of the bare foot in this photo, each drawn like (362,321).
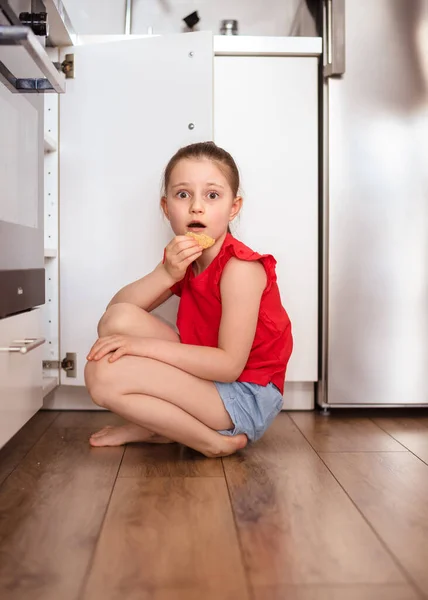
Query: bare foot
(228,445)
(117,436)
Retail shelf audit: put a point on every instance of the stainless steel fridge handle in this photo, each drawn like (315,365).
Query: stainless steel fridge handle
(24,346)
(13,35)
(335,38)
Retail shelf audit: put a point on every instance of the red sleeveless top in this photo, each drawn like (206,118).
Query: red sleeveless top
(199,315)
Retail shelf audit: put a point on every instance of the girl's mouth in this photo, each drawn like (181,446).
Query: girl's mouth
(196,226)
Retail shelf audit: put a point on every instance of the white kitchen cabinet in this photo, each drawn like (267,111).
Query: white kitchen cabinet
(266,115)
(20,371)
(133,103)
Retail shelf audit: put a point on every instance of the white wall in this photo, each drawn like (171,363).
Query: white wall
(96,16)
(256,17)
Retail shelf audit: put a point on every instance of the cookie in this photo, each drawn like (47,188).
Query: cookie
(205,241)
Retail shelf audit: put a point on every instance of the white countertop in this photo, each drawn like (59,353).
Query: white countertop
(252,45)
(234,45)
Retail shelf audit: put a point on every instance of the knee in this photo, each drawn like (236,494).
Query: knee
(118,319)
(98,382)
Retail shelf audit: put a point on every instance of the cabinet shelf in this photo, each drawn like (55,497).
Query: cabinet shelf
(50,144)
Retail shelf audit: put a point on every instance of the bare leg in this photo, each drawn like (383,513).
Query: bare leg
(165,400)
(123,318)
(172,422)
(145,392)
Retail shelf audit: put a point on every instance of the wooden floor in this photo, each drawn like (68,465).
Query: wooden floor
(322,508)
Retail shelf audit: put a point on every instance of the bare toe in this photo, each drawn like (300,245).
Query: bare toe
(97,440)
(102,431)
(117,436)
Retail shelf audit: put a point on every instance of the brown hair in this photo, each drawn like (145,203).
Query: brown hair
(212,152)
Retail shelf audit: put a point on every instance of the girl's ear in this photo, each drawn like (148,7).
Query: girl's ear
(236,207)
(164,206)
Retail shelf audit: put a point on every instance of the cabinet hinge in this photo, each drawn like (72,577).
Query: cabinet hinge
(68,363)
(67,66)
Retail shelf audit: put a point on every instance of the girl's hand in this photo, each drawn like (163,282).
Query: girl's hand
(119,344)
(179,253)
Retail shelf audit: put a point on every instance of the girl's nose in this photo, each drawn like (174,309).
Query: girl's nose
(196,206)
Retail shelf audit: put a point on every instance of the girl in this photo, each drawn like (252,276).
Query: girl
(219,384)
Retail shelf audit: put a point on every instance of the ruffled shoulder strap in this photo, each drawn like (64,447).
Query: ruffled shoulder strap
(234,248)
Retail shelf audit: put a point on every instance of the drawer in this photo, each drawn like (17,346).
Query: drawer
(21,393)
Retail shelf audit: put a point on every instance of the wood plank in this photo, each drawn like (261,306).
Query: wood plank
(340,433)
(51,510)
(168,538)
(296,524)
(339,592)
(145,460)
(167,460)
(87,419)
(282,437)
(412,432)
(22,442)
(391,490)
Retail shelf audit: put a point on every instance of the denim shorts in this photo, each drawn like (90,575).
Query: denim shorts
(251,407)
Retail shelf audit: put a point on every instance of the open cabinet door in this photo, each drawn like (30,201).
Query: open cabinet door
(133,103)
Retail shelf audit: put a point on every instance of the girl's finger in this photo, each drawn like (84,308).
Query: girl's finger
(92,351)
(102,342)
(179,243)
(119,352)
(189,252)
(178,252)
(99,344)
(189,259)
(95,345)
(100,354)
(186,247)
(106,348)
(95,349)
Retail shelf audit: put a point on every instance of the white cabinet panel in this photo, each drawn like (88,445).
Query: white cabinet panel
(266,116)
(122,118)
(20,374)
(19,146)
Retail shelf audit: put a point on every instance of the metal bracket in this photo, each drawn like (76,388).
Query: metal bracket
(334,38)
(69,364)
(67,66)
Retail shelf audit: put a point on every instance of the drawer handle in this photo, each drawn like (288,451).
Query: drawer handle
(24,346)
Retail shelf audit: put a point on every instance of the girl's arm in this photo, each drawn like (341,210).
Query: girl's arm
(148,292)
(241,288)
(153,289)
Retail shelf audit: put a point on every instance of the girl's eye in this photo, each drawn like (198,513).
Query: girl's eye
(213,195)
(183,194)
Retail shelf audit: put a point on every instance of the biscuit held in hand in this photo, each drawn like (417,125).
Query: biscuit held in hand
(205,241)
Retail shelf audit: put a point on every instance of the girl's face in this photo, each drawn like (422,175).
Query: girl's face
(199,198)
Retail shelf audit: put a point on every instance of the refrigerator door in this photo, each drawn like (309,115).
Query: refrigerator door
(376,209)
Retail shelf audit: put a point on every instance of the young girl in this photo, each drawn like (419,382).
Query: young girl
(218,384)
